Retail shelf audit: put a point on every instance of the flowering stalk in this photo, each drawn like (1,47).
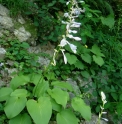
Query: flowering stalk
(103,97)
(71,25)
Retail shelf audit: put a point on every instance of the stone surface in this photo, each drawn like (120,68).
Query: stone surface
(2,53)
(4,11)
(22,34)
(5,20)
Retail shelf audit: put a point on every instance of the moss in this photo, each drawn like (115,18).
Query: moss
(29,26)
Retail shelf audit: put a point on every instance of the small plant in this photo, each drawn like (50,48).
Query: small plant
(103,97)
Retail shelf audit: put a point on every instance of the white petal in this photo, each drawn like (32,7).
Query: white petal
(77,38)
(66,14)
(70,36)
(105,119)
(63,42)
(65,59)
(73,48)
(72,31)
(103,95)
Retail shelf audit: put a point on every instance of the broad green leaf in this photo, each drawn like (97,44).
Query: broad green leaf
(66,117)
(79,65)
(40,111)
(71,58)
(85,74)
(79,105)
(96,50)
(98,60)
(19,80)
(40,88)
(86,57)
(55,106)
(21,119)
(62,85)
(19,93)
(5,93)
(36,78)
(60,96)
(109,21)
(14,106)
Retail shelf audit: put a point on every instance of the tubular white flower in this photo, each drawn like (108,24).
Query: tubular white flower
(73,47)
(103,95)
(72,31)
(63,42)
(66,14)
(65,59)
(105,119)
(77,38)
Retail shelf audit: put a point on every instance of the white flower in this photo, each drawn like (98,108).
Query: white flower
(63,22)
(63,42)
(104,112)
(105,119)
(65,59)
(77,38)
(67,2)
(70,36)
(66,14)
(75,24)
(73,47)
(1,64)
(103,97)
(72,31)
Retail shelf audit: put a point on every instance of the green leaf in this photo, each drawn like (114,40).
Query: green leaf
(86,57)
(85,74)
(62,85)
(21,119)
(60,96)
(36,78)
(19,80)
(40,111)
(55,106)
(5,93)
(66,117)
(98,60)
(40,88)
(79,105)
(71,58)
(14,106)
(79,65)
(109,21)
(115,96)
(119,108)
(96,50)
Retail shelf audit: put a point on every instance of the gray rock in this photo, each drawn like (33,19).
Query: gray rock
(6,22)
(2,53)
(22,34)
(4,11)
(21,20)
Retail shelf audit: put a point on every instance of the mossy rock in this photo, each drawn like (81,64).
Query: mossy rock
(28,25)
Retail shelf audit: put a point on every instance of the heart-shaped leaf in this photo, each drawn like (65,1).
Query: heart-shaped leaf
(79,105)
(40,111)
(60,96)
(21,119)
(19,93)
(5,93)
(62,85)
(14,106)
(66,117)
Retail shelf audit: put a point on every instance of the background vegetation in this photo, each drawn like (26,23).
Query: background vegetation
(101,31)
